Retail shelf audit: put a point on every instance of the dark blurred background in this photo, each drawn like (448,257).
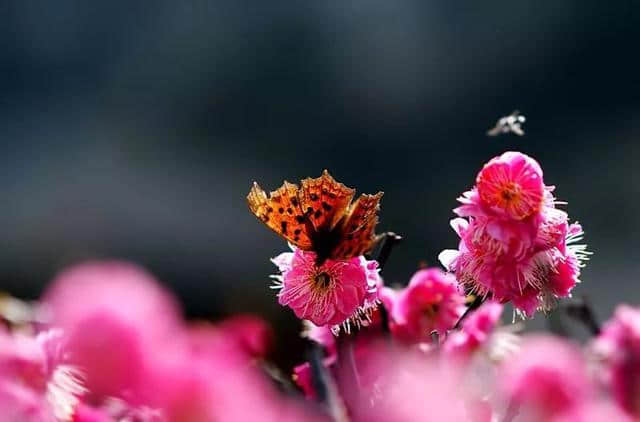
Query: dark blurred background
(134,129)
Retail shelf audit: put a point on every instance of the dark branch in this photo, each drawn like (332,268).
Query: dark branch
(319,373)
(389,241)
(477,301)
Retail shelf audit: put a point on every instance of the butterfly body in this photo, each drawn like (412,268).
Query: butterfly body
(319,216)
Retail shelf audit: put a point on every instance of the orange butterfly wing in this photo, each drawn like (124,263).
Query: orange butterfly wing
(324,200)
(320,209)
(357,230)
(282,213)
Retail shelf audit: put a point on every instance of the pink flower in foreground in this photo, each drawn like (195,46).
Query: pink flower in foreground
(475,332)
(618,347)
(303,377)
(36,384)
(115,316)
(594,412)
(547,377)
(514,244)
(252,334)
(141,362)
(202,380)
(334,293)
(410,386)
(431,302)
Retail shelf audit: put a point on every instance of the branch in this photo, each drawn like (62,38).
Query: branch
(389,241)
(477,301)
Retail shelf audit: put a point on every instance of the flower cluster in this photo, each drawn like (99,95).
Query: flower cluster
(484,372)
(515,245)
(116,349)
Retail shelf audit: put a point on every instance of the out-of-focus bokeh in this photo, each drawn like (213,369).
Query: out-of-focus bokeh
(134,130)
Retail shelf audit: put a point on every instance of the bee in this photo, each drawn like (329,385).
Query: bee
(508,124)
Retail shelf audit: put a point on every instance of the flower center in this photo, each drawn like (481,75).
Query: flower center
(322,280)
(510,192)
(430,311)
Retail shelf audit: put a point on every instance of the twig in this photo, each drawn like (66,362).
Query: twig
(389,241)
(325,386)
(281,381)
(318,372)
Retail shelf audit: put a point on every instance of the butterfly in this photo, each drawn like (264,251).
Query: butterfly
(319,216)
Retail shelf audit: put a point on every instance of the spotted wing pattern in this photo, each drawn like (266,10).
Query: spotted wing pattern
(357,230)
(324,200)
(320,209)
(282,213)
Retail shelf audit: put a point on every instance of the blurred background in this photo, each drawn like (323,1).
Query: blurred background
(134,131)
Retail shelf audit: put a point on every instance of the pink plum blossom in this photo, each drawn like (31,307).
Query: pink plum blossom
(475,332)
(334,293)
(431,302)
(252,334)
(114,315)
(618,348)
(511,186)
(547,377)
(515,245)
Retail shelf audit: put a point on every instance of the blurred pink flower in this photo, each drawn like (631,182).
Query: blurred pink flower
(303,378)
(202,381)
(337,292)
(140,361)
(514,244)
(475,332)
(410,386)
(431,302)
(547,377)
(599,411)
(618,348)
(252,334)
(36,384)
(115,316)
(85,413)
